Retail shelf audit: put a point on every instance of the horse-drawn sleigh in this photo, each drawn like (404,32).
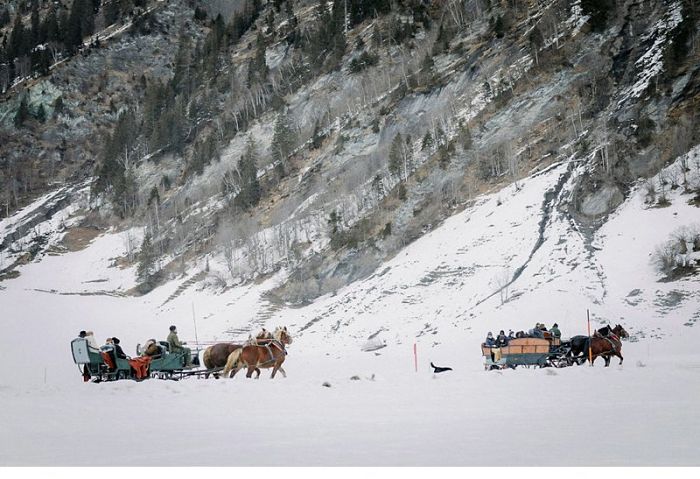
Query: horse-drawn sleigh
(227,358)
(551,351)
(528,352)
(104,365)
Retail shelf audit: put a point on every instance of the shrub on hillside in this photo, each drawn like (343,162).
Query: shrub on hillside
(365,60)
(680,255)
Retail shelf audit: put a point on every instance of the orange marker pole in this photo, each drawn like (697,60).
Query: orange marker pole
(590,351)
(415,356)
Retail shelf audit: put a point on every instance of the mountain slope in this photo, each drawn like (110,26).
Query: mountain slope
(442,293)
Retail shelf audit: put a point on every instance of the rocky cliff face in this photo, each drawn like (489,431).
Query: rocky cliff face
(363,133)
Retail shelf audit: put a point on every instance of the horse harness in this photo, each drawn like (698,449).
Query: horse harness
(269,350)
(612,344)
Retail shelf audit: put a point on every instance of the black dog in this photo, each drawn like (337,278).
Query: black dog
(438,369)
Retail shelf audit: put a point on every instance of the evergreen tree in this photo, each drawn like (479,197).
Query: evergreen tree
(182,78)
(63,27)
(499,27)
(87,18)
(395,155)
(337,30)
(74,29)
(58,106)
(36,25)
(147,260)
(153,104)
(317,137)
(443,156)
(154,196)
(465,136)
(22,112)
(428,76)
(4,17)
(427,141)
(283,139)
(257,67)
(205,150)
(41,61)
(50,27)
(200,14)
(19,40)
(536,39)
(41,114)
(111,13)
(250,192)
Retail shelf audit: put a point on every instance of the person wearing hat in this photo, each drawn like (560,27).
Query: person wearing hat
(501,340)
(555,331)
(511,334)
(118,351)
(177,347)
(90,336)
(536,332)
(490,341)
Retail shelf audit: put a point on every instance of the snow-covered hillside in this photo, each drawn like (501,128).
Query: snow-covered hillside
(511,259)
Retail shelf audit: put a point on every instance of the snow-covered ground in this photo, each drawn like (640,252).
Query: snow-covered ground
(441,293)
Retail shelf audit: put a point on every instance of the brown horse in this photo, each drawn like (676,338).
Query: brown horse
(215,356)
(610,345)
(262,354)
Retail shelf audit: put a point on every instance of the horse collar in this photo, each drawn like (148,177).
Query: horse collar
(612,344)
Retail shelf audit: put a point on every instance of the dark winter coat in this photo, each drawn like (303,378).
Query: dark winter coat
(119,352)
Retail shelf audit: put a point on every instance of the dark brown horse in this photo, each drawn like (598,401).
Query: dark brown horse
(608,346)
(263,354)
(215,356)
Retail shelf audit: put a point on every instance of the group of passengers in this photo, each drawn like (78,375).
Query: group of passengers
(153,349)
(500,340)
(537,332)
(112,345)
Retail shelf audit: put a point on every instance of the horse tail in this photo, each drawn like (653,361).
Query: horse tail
(232,361)
(206,358)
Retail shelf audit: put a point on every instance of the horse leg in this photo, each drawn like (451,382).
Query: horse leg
(284,374)
(257,370)
(250,371)
(274,370)
(607,360)
(236,369)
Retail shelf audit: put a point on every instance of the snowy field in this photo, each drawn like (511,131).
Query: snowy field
(441,293)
